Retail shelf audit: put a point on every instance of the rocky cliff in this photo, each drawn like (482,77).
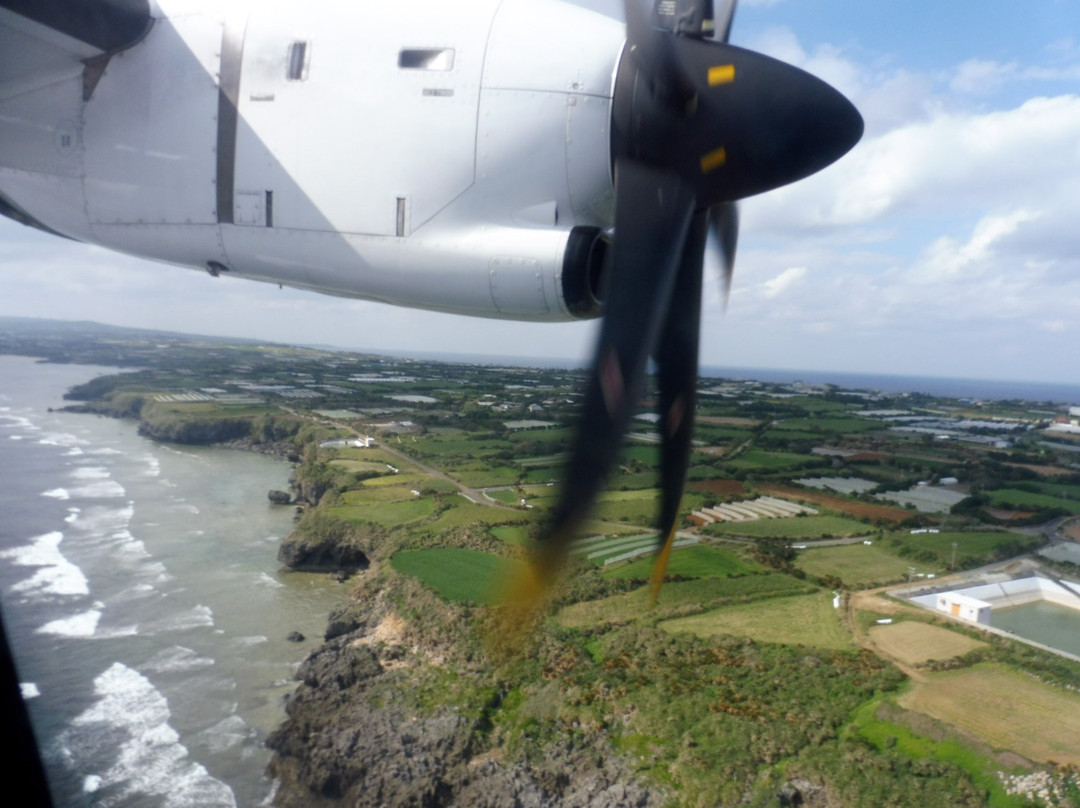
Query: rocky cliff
(400,713)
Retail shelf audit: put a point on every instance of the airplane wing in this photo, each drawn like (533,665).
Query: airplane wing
(47,42)
(37,34)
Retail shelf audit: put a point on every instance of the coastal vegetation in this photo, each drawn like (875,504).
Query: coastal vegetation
(761,677)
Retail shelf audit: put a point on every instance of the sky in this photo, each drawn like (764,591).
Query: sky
(947,243)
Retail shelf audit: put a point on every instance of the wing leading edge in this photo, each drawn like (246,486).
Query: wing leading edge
(106,26)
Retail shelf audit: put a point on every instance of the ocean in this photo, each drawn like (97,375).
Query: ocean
(144,603)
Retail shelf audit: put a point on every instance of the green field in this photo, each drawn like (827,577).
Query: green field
(638,506)
(646,454)
(543,461)
(459,446)
(793,527)
(699,561)
(857,565)
(795,620)
(884,734)
(974,547)
(485,476)
(1057,490)
(375,495)
(360,466)
(682,597)
(462,512)
(507,496)
(762,460)
(397,479)
(511,534)
(714,435)
(387,514)
(455,573)
(1015,499)
(827,425)
(437,485)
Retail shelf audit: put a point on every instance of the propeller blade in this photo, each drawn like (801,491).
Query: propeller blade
(696,125)
(652,215)
(724,223)
(653,50)
(677,365)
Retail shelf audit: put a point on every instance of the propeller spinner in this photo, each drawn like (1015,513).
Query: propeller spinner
(697,124)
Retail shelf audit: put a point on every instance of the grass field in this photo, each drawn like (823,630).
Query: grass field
(382,459)
(1026,500)
(456,574)
(360,466)
(511,534)
(410,480)
(387,514)
(917,643)
(689,562)
(462,512)
(377,494)
(854,564)
(1004,708)
(970,547)
(828,425)
(639,506)
(507,496)
(1057,490)
(796,620)
(485,476)
(794,527)
(761,460)
(680,597)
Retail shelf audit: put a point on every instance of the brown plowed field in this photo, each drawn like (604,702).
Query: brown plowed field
(1007,516)
(849,506)
(725,488)
(916,643)
(726,420)
(1047,471)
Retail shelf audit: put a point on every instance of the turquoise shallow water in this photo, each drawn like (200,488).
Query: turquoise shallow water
(144,602)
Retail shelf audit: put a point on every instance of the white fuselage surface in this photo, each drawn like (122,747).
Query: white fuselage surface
(448,156)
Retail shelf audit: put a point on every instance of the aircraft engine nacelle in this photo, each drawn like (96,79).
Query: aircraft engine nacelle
(519,273)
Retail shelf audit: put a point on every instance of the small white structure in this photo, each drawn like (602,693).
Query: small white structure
(964,607)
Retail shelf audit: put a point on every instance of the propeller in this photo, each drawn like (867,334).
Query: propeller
(697,124)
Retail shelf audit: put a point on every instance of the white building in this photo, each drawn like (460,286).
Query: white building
(964,607)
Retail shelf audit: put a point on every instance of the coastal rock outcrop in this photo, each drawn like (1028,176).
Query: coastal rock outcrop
(355,736)
(321,543)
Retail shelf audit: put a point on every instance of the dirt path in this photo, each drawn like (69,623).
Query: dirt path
(870,600)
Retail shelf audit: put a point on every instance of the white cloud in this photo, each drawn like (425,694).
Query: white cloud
(982,77)
(782,282)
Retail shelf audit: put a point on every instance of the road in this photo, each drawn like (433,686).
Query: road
(471,494)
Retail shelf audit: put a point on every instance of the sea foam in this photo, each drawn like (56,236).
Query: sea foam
(143,757)
(55,575)
(83,624)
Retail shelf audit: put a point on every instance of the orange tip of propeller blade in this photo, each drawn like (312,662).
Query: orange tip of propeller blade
(660,568)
